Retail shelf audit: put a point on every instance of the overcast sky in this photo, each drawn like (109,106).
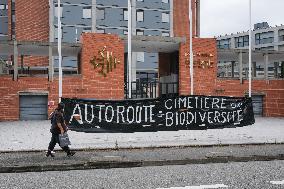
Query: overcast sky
(220,17)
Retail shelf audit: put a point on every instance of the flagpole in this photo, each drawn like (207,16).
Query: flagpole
(59,49)
(190,48)
(250,48)
(129,48)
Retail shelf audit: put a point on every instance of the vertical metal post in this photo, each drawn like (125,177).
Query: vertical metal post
(241,67)
(129,47)
(59,49)
(250,46)
(190,48)
(15,56)
(51,40)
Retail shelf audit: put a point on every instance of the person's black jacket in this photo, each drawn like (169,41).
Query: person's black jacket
(57,117)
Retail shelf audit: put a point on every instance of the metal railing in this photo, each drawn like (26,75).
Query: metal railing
(151,89)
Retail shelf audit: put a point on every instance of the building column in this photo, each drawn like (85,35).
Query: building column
(282,69)
(253,69)
(172,18)
(276,39)
(15,57)
(197,18)
(232,44)
(227,71)
(233,68)
(266,66)
(22,64)
(276,65)
(94,17)
(241,67)
(1,66)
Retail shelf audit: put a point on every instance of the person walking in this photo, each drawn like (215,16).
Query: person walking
(58,127)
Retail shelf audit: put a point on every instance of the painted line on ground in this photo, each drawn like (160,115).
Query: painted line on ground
(277,182)
(199,187)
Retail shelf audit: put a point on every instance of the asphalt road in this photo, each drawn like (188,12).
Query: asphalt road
(243,175)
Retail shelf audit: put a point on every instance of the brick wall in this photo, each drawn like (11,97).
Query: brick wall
(204,78)
(90,84)
(32,24)
(181,18)
(273,91)
(95,84)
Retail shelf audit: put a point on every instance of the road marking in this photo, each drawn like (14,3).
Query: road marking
(277,182)
(199,187)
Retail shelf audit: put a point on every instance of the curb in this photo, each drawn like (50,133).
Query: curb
(150,147)
(132,164)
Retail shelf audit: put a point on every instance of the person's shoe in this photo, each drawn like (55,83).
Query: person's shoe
(49,153)
(71,153)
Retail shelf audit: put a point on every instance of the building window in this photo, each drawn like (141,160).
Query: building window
(139,32)
(56,32)
(165,34)
(166,17)
(242,41)
(165,1)
(140,15)
(2,7)
(223,44)
(140,56)
(87,12)
(264,38)
(100,31)
(125,14)
(56,10)
(281,35)
(125,32)
(100,14)
(87,29)
(140,0)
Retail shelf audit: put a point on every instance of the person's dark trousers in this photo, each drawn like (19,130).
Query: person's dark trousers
(54,140)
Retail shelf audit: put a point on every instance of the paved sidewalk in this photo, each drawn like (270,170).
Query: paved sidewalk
(35,135)
(102,159)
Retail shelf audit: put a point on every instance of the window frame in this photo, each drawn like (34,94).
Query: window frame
(89,14)
(99,29)
(3,7)
(168,17)
(141,56)
(137,13)
(98,10)
(125,14)
(139,30)
(164,32)
(56,11)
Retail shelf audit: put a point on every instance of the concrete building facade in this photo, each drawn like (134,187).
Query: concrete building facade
(266,40)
